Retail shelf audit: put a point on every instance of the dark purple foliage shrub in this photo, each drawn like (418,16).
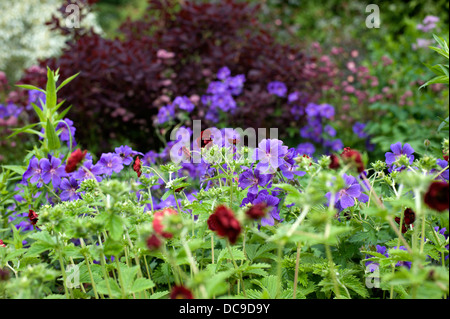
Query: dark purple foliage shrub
(176,50)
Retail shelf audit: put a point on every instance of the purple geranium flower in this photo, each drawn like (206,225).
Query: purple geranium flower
(34,171)
(217,88)
(126,154)
(223,73)
(165,114)
(397,151)
(272,202)
(374,265)
(346,197)
(184,103)
(253,180)
(66,131)
(270,153)
(445,174)
(277,88)
(306,149)
(88,170)
(69,189)
(111,162)
(225,102)
(330,130)
(235,84)
(52,171)
(326,111)
(358,129)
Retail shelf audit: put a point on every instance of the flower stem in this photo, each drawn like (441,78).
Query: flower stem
(297,264)
(236,267)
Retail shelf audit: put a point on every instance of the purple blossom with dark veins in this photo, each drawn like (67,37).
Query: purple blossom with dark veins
(270,201)
(67,131)
(445,174)
(52,171)
(126,154)
(69,189)
(289,171)
(110,162)
(89,170)
(270,154)
(397,151)
(253,180)
(34,171)
(347,196)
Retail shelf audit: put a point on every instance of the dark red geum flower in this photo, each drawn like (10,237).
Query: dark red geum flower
(409,216)
(137,166)
(437,196)
(205,139)
(74,159)
(33,217)
(2,244)
(158,226)
(334,162)
(4,274)
(257,211)
(354,158)
(153,242)
(181,292)
(224,223)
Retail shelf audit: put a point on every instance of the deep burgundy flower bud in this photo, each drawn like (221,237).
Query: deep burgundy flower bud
(33,217)
(437,196)
(153,242)
(4,274)
(181,292)
(354,158)
(257,211)
(409,216)
(224,223)
(335,164)
(74,159)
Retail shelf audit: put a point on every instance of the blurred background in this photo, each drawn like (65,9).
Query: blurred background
(136,56)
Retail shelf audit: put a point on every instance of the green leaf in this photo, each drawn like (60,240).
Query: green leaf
(115,289)
(22,129)
(20,170)
(30,87)
(51,90)
(142,284)
(66,81)
(52,138)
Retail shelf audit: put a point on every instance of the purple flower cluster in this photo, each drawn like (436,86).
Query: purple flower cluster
(317,131)
(220,94)
(51,171)
(9,110)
